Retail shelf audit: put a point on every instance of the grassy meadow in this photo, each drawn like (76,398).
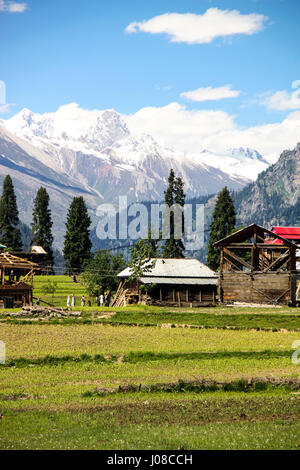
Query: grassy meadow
(149,378)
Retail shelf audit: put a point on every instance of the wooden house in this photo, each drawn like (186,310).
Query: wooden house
(173,282)
(16,280)
(257,266)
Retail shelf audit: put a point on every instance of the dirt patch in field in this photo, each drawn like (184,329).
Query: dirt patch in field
(191,412)
(105,314)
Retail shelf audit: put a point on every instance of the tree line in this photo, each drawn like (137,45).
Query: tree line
(77,244)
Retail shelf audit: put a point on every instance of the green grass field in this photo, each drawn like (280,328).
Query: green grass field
(74,383)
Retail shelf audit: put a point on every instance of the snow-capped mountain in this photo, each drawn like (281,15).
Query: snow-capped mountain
(30,169)
(239,161)
(75,151)
(97,148)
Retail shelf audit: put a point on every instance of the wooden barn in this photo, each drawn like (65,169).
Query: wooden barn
(16,280)
(257,266)
(173,282)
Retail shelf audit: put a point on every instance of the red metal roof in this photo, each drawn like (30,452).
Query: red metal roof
(290,233)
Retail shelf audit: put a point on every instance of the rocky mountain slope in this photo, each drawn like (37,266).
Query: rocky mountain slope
(274,198)
(26,165)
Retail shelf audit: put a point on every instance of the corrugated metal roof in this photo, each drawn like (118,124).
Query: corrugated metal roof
(205,281)
(285,231)
(175,268)
(290,233)
(38,249)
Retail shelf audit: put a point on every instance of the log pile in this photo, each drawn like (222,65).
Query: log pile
(48,312)
(125,295)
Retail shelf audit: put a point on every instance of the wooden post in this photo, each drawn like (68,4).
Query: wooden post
(200,295)
(160,294)
(178,295)
(292,259)
(187,295)
(221,261)
(214,296)
(174,299)
(293,284)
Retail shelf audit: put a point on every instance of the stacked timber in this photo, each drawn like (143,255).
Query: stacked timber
(126,294)
(44,312)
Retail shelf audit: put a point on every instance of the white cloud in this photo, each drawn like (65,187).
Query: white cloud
(198,29)
(191,131)
(211,94)
(12,7)
(164,87)
(296,84)
(283,100)
(5,108)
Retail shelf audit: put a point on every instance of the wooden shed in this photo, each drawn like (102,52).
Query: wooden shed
(257,266)
(16,280)
(173,282)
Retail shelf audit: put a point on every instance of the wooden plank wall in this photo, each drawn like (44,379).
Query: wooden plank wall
(190,294)
(245,287)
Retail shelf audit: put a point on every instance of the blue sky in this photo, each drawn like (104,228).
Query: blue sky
(61,51)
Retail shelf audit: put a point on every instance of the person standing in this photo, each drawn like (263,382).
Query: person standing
(73,300)
(101,300)
(68,301)
(82,301)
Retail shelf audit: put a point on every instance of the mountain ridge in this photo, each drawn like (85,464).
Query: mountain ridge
(274,198)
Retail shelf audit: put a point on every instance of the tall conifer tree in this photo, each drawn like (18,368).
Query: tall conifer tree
(10,234)
(77,244)
(42,225)
(222,224)
(174,247)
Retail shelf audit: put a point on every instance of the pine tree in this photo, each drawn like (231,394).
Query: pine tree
(149,245)
(10,234)
(174,247)
(42,224)
(223,224)
(77,243)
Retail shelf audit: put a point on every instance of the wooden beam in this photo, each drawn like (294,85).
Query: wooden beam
(292,259)
(231,262)
(274,301)
(282,259)
(248,246)
(293,286)
(282,295)
(238,259)
(221,260)
(178,295)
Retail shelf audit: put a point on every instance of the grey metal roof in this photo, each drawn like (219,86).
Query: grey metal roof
(175,269)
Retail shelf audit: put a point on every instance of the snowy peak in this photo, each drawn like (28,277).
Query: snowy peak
(70,124)
(243,162)
(245,153)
